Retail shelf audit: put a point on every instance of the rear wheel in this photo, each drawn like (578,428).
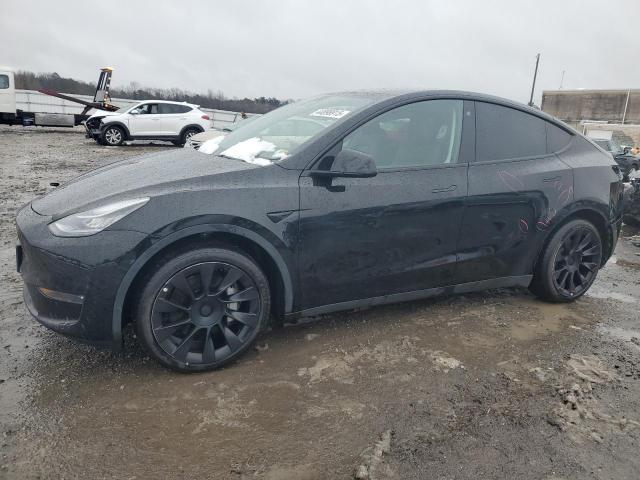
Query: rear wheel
(187,134)
(569,263)
(201,310)
(113,136)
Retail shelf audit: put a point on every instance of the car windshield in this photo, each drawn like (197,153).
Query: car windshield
(610,146)
(615,147)
(280,133)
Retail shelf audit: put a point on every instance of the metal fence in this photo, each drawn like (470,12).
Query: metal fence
(34,101)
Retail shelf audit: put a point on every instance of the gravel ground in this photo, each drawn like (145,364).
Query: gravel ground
(489,385)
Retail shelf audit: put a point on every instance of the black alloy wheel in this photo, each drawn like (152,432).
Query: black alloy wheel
(577,262)
(569,263)
(203,309)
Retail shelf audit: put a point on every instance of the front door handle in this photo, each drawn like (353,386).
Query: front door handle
(450,188)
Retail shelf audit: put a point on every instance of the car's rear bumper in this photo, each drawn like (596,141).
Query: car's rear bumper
(68,287)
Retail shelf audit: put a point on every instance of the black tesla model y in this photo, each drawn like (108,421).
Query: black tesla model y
(340,201)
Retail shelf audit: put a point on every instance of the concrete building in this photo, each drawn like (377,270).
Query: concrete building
(615,110)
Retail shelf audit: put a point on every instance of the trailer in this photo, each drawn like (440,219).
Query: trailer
(15,111)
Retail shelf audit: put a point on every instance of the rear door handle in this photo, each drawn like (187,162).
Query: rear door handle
(552,179)
(450,188)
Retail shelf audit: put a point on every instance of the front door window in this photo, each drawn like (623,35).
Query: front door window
(420,134)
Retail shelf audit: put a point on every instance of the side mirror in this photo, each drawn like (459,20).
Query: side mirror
(134,112)
(349,163)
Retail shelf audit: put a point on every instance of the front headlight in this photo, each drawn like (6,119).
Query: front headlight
(95,220)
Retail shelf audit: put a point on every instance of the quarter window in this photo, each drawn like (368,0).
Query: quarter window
(557,138)
(419,134)
(505,133)
(4,82)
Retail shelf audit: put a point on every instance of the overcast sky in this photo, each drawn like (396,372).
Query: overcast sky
(293,49)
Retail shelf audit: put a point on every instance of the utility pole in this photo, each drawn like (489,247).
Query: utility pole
(626,104)
(562,80)
(535,74)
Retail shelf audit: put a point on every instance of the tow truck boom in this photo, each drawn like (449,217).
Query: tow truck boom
(11,115)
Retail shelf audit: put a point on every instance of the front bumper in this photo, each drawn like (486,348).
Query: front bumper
(86,270)
(94,133)
(93,129)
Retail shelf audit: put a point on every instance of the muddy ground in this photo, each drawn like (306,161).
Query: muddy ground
(490,385)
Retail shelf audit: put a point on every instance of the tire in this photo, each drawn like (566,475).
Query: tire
(187,329)
(100,141)
(113,136)
(188,133)
(569,263)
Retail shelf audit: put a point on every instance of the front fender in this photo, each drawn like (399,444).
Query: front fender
(112,123)
(141,261)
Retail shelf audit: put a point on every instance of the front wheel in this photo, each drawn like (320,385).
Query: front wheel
(569,263)
(113,136)
(202,309)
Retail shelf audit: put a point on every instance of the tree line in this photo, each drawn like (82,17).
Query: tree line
(52,81)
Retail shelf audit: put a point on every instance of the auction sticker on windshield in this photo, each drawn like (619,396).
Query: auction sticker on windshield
(330,113)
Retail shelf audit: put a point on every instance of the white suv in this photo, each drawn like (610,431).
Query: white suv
(149,120)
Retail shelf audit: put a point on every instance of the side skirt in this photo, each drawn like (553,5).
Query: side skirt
(164,138)
(502,282)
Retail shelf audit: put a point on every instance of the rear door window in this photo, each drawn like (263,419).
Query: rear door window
(169,108)
(504,133)
(165,108)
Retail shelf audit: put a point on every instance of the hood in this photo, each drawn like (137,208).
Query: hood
(147,175)
(105,113)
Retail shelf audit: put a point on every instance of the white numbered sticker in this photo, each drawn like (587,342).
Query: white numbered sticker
(330,113)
